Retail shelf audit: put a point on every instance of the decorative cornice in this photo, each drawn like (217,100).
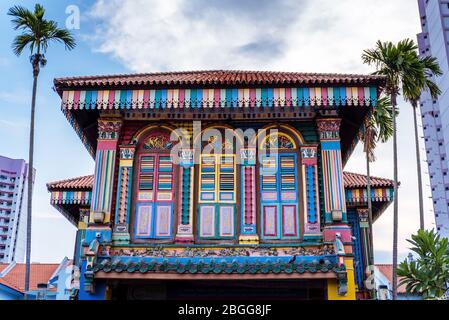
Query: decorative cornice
(329,129)
(218,266)
(109,129)
(228,252)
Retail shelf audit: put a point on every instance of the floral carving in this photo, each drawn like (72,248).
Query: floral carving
(158,142)
(190,252)
(109,129)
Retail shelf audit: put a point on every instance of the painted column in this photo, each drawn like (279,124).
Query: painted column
(309,167)
(185,200)
(120,233)
(365,235)
(108,134)
(99,229)
(334,193)
(248,227)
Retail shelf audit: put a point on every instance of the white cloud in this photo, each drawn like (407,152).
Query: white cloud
(312,36)
(151,35)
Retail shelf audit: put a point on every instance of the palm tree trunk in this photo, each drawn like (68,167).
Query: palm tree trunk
(418,168)
(395,213)
(31,176)
(370,221)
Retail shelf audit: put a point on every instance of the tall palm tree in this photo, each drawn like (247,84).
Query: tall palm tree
(36,34)
(397,62)
(378,127)
(429,68)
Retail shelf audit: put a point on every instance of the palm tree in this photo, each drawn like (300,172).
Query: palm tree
(397,63)
(378,127)
(36,34)
(429,68)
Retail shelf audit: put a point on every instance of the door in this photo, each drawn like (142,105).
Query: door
(155,197)
(279,197)
(217,198)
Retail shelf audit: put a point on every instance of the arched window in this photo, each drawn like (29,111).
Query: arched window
(217,190)
(155,181)
(279,178)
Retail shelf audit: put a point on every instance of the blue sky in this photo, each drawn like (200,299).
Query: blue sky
(150,35)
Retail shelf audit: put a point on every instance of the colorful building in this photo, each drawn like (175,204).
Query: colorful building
(13,199)
(204,178)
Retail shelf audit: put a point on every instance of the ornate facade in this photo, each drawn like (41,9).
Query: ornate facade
(219,175)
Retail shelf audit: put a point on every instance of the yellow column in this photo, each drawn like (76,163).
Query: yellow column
(332,284)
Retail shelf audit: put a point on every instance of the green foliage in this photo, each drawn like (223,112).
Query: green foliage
(399,63)
(37,32)
(429,274)
(378,127)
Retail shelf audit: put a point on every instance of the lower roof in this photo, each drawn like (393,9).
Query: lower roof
(15,277)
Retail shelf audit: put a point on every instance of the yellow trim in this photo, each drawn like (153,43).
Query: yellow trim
(126,163)
(332,284)
(217,178)
(243,239)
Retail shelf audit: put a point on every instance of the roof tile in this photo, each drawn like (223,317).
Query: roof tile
(39,273)
(216,77)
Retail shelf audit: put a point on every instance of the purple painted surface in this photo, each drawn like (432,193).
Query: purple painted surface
(12,166)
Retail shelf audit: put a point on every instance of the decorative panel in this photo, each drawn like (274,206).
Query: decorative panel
(143,221)
(163,220)
(226,221)
(270,220)
(207,221)
(289,221)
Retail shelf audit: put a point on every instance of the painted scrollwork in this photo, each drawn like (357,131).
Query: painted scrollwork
(226,252)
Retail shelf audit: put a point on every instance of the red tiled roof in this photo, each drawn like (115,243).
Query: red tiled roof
(85,182)
(217,77)
(356,180)
(387,270)
(352,180)
(39,273)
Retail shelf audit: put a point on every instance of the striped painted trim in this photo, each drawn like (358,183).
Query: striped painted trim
(218,98)
(71,197)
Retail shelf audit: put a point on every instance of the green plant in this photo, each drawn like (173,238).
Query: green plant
(428,275)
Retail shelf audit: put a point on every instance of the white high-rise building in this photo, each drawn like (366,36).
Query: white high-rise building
(434,41)
(13,202)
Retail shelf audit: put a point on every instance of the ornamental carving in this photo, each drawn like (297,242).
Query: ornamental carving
(158,142)
(227,252)
(214,142)
(127,153)
(329,129)
(248,155)
(309,152)
(109,129)
(278,141)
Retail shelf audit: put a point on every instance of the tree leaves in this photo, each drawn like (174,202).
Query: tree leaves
(429,274)
(37,31)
